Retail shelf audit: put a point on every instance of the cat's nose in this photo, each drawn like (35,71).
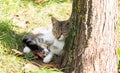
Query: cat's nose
(58,37)
(61,37)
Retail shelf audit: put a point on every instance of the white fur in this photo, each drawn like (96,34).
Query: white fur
(56,46)
(26,50)
(61,38)
(48,58)
(46,32)
(47,37)
(45,50)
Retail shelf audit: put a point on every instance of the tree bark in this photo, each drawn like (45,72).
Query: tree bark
(91,45)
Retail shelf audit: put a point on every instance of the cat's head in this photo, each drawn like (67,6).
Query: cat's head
(33,45)
(60,28)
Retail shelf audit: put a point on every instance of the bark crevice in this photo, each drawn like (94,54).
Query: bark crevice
(91,45)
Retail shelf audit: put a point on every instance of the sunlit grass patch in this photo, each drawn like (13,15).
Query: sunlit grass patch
(119,20)
(48,70)
(36,14)
(11,64)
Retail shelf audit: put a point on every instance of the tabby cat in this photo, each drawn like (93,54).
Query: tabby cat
(49,41)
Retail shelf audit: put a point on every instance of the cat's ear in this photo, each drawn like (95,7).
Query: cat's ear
(54,20)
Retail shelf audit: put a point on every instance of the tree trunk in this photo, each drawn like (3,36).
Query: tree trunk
(91,45)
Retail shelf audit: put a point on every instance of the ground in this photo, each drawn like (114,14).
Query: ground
(19,17)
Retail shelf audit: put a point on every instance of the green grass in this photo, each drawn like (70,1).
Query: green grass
(47,70)
(18,17)
(13,15)
(7,36)
(118,51)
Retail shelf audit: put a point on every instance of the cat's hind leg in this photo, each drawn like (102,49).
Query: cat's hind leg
(26,50)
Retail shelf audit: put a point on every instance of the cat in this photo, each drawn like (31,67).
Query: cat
(48,41)
(60,28)
(45,43)
(38,39)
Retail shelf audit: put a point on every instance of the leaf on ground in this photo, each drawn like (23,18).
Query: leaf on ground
(37,52)
(29,55)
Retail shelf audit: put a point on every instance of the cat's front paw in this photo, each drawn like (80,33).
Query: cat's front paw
(48,58)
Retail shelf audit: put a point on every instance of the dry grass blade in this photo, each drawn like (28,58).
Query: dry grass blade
(17,52)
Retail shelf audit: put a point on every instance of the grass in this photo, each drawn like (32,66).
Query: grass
(118,31)
(47,70)
(18,17)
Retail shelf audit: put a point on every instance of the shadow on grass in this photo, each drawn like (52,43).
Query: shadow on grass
(8,37)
